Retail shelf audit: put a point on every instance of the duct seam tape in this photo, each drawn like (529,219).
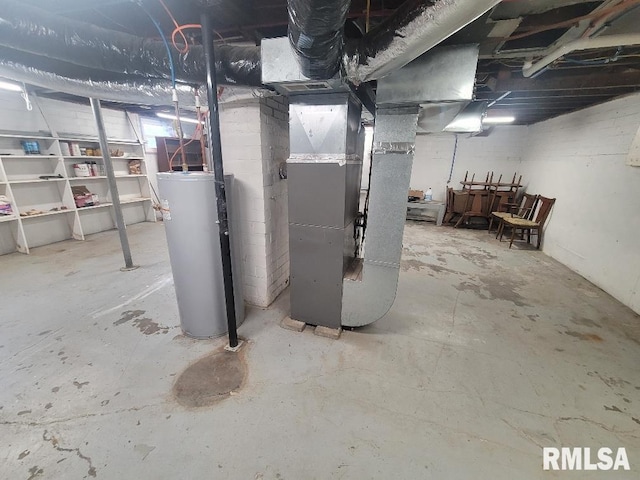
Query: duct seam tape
(408,148)
(338,158)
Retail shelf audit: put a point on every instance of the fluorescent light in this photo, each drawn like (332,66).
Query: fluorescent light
(495,120)
(10,86)
(168,116)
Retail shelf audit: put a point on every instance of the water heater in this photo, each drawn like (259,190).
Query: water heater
(188,202)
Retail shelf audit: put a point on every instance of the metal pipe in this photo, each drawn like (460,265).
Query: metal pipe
(606,41)
(113,187)
(215,163)
(183,154)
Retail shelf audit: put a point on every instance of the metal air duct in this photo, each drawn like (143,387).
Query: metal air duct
(365,301)
(443,76)
(416,27)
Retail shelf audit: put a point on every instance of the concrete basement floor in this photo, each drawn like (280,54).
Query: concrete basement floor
(487,355)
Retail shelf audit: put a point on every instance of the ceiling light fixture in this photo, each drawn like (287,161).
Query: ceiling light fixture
(168,116)
(10,86)
(498,120)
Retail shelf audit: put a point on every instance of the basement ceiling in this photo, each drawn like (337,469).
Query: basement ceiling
(514,32)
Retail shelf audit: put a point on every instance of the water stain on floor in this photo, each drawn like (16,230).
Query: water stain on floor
(412,264)
(144,324)
(210,379)
(584,336)
(495,290)
(585,322)
(35,471)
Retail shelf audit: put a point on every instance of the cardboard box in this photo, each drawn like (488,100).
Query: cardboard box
(416,193)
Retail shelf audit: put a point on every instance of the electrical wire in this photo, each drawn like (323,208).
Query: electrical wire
(453,159)
(184,49)
(595,61)
(166,44)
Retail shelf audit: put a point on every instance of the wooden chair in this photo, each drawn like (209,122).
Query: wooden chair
(477,205)
(456,204)
(528,225)
(525,210)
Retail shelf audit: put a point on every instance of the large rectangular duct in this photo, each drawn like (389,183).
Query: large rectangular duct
(367,300)
(324,170)
(437,85)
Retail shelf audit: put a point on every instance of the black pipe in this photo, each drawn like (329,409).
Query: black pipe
(215,149)
(30,29)
(316,35)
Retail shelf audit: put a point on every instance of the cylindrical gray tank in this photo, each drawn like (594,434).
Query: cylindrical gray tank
(188,202)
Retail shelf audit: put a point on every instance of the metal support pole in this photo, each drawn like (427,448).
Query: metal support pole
(113,187)
(215,165)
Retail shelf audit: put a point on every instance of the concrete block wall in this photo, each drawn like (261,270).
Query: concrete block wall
(580,159)
(61,117)
(77,119)
(255,141)
(500,152)
(240,129)
(274,113)
(16,118)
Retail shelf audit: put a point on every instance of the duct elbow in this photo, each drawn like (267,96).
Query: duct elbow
(366,301)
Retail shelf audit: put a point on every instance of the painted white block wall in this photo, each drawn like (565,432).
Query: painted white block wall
(274,113)
(255,140)
(580,159)
(594,226)
(242,155)
(500,152)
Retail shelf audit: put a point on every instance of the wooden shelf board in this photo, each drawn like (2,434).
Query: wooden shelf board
(46,214)
(37,180)
(93,157)
(96,140)
(134,200)
(36,136)
(29,157)
(93,207)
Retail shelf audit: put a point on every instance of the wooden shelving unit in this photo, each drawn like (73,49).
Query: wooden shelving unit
(60,219)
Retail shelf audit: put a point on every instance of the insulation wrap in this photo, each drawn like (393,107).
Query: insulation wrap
(33,30)
(316,35)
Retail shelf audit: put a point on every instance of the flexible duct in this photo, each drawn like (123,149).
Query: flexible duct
(136,91)
(416,27)
(33,30)
(315,33)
